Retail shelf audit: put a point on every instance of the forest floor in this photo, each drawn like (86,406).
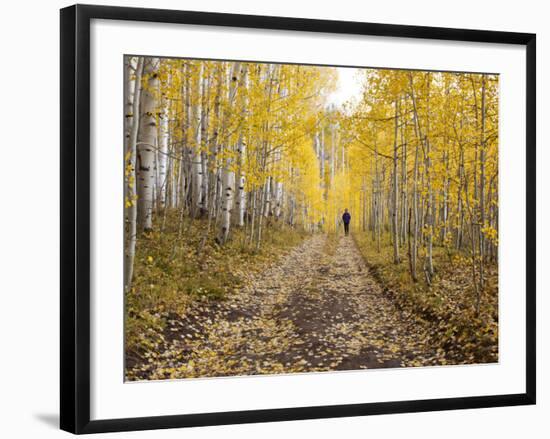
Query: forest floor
(319,308)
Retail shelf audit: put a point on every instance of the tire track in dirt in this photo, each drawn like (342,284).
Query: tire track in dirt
(346,322)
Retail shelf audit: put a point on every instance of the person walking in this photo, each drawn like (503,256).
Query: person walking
(346,218)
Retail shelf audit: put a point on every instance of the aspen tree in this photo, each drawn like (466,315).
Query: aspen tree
(147,144)
(228,174)
(240,199)
(395,219)
(132,120)
(196,160)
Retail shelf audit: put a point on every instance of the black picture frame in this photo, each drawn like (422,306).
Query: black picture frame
(75,217)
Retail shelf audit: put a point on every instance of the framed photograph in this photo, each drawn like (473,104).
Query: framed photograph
(268,218)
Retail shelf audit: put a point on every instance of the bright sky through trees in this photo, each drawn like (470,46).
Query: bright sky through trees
(348,86)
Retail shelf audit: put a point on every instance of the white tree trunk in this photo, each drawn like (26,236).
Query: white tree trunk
(133,96)
(395,207)
(204,138)
(130,76)
(163,155)
(147,142)
(267,197)
(228,183)
(278,199)
(228,175)
(240,200)
(196,159)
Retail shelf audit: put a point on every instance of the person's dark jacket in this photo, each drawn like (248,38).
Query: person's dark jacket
(346,217)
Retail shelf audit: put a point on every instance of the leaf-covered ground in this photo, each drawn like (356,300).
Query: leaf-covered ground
(447,305)
(317,309)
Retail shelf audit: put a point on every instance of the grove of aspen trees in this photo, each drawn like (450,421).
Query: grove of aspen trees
(236,178)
